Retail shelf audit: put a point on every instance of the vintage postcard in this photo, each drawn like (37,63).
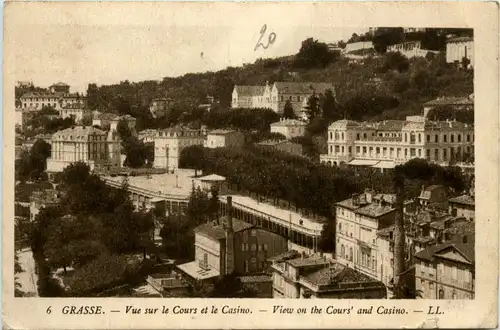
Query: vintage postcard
(250,165)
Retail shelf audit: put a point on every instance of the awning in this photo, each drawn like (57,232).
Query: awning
(194,270)
(363,162)
(385,164)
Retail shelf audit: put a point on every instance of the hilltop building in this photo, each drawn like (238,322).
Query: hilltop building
(169,143)
(276,95)
(317,277)
(459,48)
(389,143)
(58,97)
(96,148)
(410,49)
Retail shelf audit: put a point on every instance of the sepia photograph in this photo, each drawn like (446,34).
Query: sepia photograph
(212,161)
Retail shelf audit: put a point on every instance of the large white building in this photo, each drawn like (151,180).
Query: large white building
(96,148)
(58,96)
(223,138)
(290,128)
(170,142)
(76,110)
(389,143)
(275,96)
(458,48)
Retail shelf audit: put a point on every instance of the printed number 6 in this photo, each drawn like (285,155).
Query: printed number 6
(49,310)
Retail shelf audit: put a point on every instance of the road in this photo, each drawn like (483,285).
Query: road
(28,277)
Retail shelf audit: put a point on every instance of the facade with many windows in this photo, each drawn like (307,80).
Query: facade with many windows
(447,271)
(96,148)
(375,145)
(359,220)
(169,143)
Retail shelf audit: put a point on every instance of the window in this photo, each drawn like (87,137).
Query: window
(342,136)
(428,138)
(253,247)
(468,137)
(453,295)
(357,136)
(298,98)
(452,138)
(364,135)
(342,149)
(441,294)
(350,149)
(377,150)
(445,157)
(436,154)
(459,138)
(358,149)
(419,152)
(445,138)
(205,259)
(364,150)
(428,153)
(254,232)
(436,138)
(419,138)
(331,136)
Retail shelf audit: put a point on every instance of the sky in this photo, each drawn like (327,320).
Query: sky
(59,44)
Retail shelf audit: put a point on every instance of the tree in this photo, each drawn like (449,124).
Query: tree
(288,111)
(329,107)
(465,62)
(192,157)
(327,239)
(313,107)
(396,61)
(313,54)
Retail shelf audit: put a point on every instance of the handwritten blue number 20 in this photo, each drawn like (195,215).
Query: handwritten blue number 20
(270,39)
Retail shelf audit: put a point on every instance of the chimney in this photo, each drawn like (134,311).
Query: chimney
(229,213)
(229,238)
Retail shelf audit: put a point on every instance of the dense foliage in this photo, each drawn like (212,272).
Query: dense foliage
(31,164)
(91,219)
(138,154)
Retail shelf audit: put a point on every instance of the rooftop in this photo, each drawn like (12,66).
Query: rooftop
(306,262)
(302,87)
(245,90)
(212,177)
(217,230)
(464,200)
(465,249)
(460,39)
(291,254)
(167,184)
(337,274)
(289,122)
(79,132)
(390,125)
(221,131)
(374,210)
(451,100)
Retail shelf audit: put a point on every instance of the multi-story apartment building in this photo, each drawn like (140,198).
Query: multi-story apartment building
(447,271)
(97,148)
(317,277)
(290,128)
(169,143)
(76,110)
(275,96)
(358,220)
(374,144)
(223,138)
(231,246)
(459,48)
(58,97)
